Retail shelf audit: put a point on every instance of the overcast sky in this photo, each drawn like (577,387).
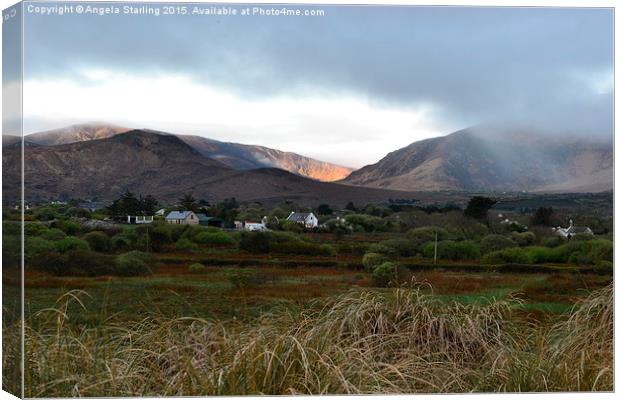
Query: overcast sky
(347,87)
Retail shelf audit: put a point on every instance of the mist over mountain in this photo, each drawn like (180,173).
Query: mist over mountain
(237,156)
(485,159)
(146,162)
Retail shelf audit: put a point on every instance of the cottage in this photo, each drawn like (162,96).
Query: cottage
(161,212)
(139,219)
(254,226)
(572,230)
(308,220)
(205,220)
(182,217)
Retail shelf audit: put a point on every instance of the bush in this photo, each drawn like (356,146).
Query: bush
(381,248)
(385,273)
(186,245)
(421,236)
(523,238)
(134,263)
(554,241)
(71,243)
(496,242)
(451,250)
(197,268)
(34,228)
(160,235)
(98,241)
(254,242)
(77,263)
(604,268)
(53,234)
(215,238)
(120,243)
(513,255)
(36,245)
(365,223)
(68,227)
(241,278)
(373,260)
(401,247)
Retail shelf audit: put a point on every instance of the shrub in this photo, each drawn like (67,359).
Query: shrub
(604,268)
(71,243)
(581,237)
(496,242)
(34,228)
(365,223)
(186,245)
(120,243)
(523,238)
(98,241)
(373,260)
(68,227)
(513,255)
(134,263)
(241,278)
(197,268)
(451,250)
(421,236)
(401,247)
(36,245)
(291,226)
(11,228)
(385,273)
(160,234)
(215,238)
(554,241)
(254,242)
(76,262)
(381,248)
(53,234)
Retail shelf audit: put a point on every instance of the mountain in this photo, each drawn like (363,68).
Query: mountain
(242,156)
(237,156)
(480,159)
(163,165)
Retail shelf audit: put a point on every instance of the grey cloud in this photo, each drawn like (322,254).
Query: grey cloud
(473,64)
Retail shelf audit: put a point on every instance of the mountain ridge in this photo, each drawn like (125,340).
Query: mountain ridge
(236,155)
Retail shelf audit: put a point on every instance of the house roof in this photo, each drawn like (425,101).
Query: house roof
(298,217)
(578,229)
(178,214)
(205,217)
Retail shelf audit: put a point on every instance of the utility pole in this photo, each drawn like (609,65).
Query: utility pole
(435,256)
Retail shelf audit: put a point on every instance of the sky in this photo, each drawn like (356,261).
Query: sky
(346,87)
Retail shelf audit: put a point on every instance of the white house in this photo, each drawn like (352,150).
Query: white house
(254,226)
(308,220)
(572,230)
(182,217)
(160,212)
(139,219)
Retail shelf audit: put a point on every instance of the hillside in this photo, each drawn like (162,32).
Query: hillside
(235,155)
(163,165)
(478,160)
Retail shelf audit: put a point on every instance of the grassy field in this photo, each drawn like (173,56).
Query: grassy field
(276,323)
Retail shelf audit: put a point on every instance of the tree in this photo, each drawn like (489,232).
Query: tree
(149,205)
(478,207)
(324,209)
(188,202)
(543,216)
(129,204)
(350,206)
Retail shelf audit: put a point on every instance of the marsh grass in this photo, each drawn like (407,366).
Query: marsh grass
(363,341)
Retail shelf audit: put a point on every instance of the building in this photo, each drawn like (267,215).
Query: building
(139,219)
(182,217)
(161,212)
(205,220)
(308,220)
(254,226)
(572,230)
(92,206)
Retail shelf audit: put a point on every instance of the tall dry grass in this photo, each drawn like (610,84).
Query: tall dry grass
(398,341)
